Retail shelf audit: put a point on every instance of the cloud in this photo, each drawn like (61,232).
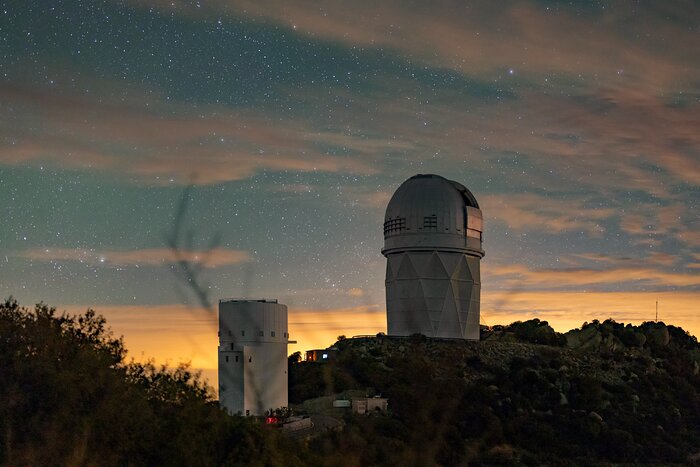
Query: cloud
(635,143)
(356,292)
(652,258)
(368,197)
(630,131)
(216,144)
(144,257)
(518,276)
(650,223)
(608,138)
(623,43)
(691,235)
(531,212)
(609,144)
(696,261)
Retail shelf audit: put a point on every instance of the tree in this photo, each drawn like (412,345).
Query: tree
(68,397)
(294,358)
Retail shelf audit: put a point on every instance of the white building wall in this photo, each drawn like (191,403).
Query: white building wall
(231,380)
(253,339)
(433,293)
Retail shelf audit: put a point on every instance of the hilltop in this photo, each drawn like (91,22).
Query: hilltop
(525,394)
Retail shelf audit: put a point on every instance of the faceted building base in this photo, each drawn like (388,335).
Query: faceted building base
(434,293)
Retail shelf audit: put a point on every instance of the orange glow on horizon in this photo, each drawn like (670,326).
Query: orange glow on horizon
(569,310)
(171,334)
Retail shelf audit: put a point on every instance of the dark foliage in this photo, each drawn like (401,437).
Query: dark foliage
(68,398)
(532,331)
(519,398)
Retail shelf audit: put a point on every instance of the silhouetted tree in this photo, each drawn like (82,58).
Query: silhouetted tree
(67,397)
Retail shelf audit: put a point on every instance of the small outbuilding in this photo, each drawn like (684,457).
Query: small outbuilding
(370,405)
(321,355)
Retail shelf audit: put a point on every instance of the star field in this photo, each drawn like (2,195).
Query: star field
(573,123)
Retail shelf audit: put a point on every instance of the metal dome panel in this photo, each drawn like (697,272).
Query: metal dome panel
(430,211)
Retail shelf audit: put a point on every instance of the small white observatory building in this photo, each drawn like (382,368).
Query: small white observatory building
(253,340)
(432,242)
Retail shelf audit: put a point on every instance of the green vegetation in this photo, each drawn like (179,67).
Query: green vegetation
(524,395)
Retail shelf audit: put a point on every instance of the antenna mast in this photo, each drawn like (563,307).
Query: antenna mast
(656,319)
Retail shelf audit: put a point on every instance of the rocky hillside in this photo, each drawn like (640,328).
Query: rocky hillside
(524,395)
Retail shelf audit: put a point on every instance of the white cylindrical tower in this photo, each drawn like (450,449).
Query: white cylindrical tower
(253,339)
(432,241)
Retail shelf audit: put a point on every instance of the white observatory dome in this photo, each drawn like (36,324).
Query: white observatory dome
(432,242)
(431,212)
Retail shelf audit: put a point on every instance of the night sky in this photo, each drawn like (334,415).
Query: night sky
(575,124)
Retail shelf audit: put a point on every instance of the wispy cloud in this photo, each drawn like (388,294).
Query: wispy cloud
(650,224)
(368,198)
(356,292)
(615,142)
(527,212)
(657,258)
(633,129)
(215,145)
(614,107)
(624,43)
(609,140)
(695,264)
(518,276)
(144,257)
